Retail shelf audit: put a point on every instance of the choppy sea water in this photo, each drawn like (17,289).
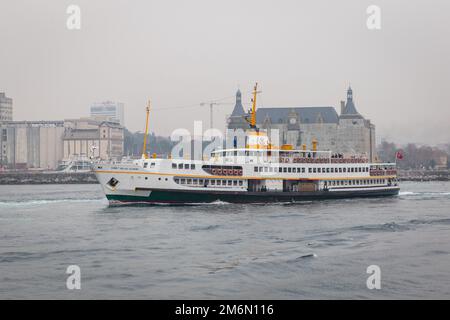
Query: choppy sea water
(225,251)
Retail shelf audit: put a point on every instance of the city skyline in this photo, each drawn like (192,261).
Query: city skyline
(130,54)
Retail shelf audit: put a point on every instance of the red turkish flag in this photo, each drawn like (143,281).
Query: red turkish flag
(399,155)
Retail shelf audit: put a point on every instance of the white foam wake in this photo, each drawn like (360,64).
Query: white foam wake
(410,193)
(45,202)
(407,193)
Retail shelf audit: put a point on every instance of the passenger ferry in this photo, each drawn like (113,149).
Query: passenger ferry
(258,173)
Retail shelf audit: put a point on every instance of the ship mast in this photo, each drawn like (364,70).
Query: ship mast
(144,147)
(253,111)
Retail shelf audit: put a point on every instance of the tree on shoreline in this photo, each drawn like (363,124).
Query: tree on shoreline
(415,156)
(133,143)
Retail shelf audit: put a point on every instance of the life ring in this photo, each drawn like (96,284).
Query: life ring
(230,172)
(236,172)
(214,171)
(240,172)
(219,171)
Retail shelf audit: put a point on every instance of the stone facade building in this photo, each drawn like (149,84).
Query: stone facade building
(348,133)
(88,137)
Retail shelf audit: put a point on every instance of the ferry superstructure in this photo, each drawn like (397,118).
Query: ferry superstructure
(257,173)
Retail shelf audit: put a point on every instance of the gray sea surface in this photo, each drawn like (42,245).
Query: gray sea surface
(308,250)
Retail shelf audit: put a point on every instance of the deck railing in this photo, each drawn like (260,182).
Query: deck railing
(322,160)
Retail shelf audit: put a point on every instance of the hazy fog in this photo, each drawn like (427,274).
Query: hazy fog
(180,53)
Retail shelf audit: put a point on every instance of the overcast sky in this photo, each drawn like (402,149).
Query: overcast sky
(180,53)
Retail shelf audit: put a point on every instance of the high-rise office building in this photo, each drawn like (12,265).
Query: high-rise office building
(109,111)
(5,108)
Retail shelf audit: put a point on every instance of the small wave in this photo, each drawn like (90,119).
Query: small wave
(391,226)
(306,256)
(14,256)
(205,228)
(431,221)
(320,243)
(435,193)
(44,202)
(303,257)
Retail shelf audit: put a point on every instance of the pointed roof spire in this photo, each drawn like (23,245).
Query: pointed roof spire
(349,93)
(238,108)
(350,108)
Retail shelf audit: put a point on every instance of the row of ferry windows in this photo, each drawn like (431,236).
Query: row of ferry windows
(354,182)
(311,170)
(186,166)
(206,182)
(242,153)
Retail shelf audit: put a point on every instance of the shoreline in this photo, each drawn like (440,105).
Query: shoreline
(17,178)
(423,175)
(35,178)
